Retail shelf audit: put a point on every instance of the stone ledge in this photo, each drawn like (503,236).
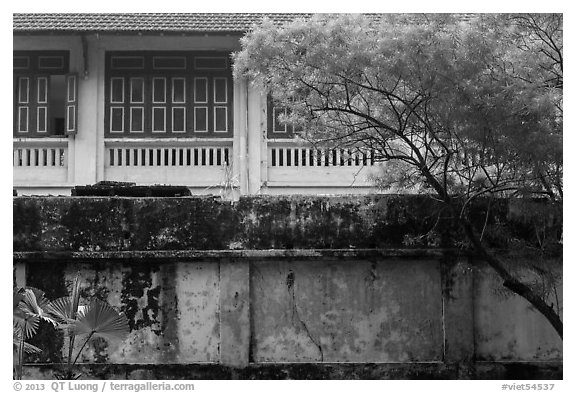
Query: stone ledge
(253,255)
(219,255)
(304,371)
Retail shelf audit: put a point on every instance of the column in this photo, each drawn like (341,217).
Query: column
(239,150)
(86,141)
(255,140)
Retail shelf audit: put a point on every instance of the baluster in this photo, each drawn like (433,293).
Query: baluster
(170,158)
(51,157)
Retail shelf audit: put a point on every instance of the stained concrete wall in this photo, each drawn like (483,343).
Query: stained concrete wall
(275,280)
(172,309)
(507,328)
(347,311)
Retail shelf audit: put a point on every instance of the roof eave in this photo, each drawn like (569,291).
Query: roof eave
(131,32)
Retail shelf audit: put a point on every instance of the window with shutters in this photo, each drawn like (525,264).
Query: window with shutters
(45,94)
(168,94)
(277,127)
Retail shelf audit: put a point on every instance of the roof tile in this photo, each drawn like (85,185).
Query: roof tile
(157,22)
(139,22)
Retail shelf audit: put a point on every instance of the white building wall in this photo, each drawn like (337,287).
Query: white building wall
(251,171)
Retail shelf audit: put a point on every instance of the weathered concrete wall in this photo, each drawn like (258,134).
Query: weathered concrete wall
(347,311)
(286,222)
(299,280)
(507,327)
(172,309)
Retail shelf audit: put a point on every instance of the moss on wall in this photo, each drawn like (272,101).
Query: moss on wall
(270,222)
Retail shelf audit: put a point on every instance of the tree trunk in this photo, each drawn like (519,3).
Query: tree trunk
(510,281)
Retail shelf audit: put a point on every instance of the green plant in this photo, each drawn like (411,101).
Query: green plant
(29,307)
(95,318)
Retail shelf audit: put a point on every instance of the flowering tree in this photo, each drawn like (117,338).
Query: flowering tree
(459,109)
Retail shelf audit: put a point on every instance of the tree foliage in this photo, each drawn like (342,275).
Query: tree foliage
(465,101)
(455,108)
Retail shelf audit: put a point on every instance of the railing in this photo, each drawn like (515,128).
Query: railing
(189,162)
(313,157)
(305,166)
(40,162)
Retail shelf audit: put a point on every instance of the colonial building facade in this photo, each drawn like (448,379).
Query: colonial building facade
(150,99)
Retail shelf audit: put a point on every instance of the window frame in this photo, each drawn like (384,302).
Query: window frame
(272,133)
(27,65)
(180,74)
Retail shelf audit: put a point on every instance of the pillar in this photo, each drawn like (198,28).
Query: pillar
(90,125)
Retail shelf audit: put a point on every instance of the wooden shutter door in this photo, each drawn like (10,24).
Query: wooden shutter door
(71,104)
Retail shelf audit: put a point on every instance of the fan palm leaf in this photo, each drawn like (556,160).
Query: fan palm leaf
(18,296)
(28,325)
(63,310)
(30,310)
(35,303)
(99,319)
(19,347)
(60,310)
(17,314)
(17,341)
